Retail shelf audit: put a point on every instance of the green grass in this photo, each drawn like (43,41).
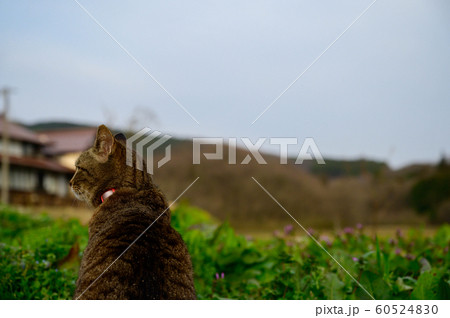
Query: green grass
(34,262)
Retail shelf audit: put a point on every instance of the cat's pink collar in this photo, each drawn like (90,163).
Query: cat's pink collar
(107,194)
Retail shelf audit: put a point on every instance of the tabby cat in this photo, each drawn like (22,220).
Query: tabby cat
(126,202)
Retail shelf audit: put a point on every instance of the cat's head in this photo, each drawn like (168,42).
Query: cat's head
(103,167)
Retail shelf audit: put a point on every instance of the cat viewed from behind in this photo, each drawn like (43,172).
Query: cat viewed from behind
(126,203)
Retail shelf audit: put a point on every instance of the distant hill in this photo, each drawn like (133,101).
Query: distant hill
(341,168)
(340,193)
(415,171)
(47,126)
(347,193)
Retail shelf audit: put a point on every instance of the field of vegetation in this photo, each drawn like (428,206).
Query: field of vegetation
(39,258)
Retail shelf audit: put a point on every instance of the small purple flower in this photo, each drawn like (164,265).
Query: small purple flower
(326,239)
(355,259)
(399,233)
(288,229)
(311,231)
(348,230)
(276,233)
(392,241)
(397,251)
(222,275)
(409,257)
(359,226)
(217,275)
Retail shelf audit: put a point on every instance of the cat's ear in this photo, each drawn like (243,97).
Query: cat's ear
(103,144)
(121,138)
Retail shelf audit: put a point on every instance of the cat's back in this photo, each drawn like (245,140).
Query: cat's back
(149,258)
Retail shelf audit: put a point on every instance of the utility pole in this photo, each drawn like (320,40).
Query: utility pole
(5,146)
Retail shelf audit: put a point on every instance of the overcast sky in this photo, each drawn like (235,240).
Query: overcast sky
(381,91)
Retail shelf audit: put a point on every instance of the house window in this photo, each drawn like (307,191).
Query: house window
(15,148)
(22,179)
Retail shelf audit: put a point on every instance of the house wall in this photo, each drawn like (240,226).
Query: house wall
(68,159)
(16,148)
(23,179)
(56,184)
(34,180)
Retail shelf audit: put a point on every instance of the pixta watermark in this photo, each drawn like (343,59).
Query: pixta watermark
(308,150)
(150,141)
(147,141)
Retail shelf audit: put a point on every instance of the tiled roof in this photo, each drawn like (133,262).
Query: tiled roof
(68,140)
(43,164)
(18,132)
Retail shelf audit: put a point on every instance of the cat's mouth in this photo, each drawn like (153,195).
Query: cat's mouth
(78,193)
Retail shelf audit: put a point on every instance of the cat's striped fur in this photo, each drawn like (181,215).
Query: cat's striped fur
(157,265)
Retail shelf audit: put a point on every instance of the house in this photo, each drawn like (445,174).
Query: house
(65,142)
(34,178)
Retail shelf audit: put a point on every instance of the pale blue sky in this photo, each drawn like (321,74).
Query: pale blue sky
(382,91)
